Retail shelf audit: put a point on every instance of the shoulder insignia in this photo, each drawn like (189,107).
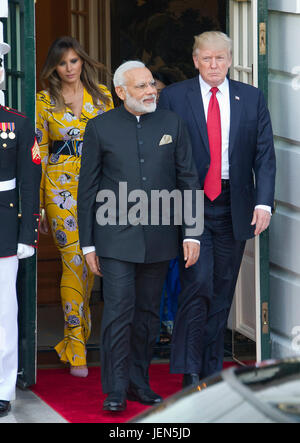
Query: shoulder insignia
(35,153)
(14,111)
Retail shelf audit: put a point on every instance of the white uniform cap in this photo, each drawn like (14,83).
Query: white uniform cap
(4,48)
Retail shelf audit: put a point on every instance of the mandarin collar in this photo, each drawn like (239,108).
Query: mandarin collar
(133,117)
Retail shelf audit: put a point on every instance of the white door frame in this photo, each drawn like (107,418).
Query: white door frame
(243,29)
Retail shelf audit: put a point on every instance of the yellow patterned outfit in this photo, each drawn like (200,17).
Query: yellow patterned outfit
(60,135)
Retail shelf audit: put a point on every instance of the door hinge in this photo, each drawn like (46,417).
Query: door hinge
(265,318)
(262,38)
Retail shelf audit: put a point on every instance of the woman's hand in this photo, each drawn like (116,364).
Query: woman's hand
(44,224)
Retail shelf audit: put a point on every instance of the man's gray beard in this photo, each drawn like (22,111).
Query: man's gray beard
(139,106)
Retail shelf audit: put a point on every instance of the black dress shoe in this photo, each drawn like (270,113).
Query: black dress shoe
(190,380)
(144,396)
(5,407)
(115,402)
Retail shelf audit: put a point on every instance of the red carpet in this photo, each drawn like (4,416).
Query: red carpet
(80,400)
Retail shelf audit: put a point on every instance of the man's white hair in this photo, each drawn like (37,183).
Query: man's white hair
(119,79)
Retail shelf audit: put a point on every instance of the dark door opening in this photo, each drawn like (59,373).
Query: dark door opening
(159,32)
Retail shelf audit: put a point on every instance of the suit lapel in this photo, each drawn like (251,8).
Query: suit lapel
(195,98)
(235,113)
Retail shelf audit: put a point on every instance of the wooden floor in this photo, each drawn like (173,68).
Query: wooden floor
(50,331)
(49,271)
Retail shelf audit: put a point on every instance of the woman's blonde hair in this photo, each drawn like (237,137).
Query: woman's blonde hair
(212,39)
(89,74)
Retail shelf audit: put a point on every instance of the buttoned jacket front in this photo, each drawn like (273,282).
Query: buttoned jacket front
(153,153)
(20,162)
(252,163)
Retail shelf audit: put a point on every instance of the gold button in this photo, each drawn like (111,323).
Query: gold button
(35,241)
(11,205)
(35,230)
(19,215)
(4,145)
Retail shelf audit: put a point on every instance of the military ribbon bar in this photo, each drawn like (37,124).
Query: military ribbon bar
(7,129)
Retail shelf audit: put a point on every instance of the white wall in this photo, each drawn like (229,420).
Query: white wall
(3,8)
(284,104)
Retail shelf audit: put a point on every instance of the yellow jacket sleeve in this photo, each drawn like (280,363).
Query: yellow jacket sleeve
(42,113)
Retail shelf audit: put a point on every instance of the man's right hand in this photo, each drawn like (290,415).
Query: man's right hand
(93,263)
(191,251)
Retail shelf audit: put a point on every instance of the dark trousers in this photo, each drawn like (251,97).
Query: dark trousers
(207,293)
(130,321)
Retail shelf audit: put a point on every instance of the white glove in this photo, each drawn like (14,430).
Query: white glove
(25,251)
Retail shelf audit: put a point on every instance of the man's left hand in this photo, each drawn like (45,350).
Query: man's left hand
(191,252)
(25,251)
(261,219)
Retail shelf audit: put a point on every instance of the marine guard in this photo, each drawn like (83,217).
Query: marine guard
(20,175)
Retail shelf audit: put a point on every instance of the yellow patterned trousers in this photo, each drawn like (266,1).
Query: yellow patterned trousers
(61,186)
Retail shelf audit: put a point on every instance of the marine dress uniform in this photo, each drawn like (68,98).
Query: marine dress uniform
(20,175)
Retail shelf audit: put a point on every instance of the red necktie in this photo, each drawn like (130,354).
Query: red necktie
(212,183)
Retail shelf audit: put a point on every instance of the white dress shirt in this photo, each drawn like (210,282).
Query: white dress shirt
(224,104)
(223,97)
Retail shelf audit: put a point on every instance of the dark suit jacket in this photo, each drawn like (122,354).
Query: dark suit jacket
(116,149)
(20,160)
(251,148)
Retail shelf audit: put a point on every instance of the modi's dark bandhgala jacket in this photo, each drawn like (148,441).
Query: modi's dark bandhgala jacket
(153,153)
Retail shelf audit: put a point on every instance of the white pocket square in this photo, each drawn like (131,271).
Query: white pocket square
(166,140)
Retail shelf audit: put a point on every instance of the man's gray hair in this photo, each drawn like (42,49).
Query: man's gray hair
(119,79)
